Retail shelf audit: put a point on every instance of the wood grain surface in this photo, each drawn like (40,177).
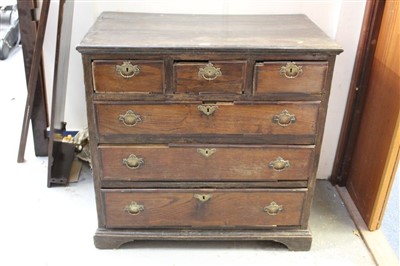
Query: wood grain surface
(170,119)
(226,163)
(150,79)
(225,208)
(140,30)
(188,80)
(222,194)
(268,78)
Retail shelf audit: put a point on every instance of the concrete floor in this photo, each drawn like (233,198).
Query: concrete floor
(42,226)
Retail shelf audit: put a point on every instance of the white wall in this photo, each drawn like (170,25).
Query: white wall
(340,19)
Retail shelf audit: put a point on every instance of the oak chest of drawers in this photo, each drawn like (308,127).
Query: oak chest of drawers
(205,127)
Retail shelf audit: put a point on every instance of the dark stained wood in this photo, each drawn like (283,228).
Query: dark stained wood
(186,119)
(89,91)
(224,184)
(282,33)
(320,133)
(181,55)
(60,154)
(33,78)
(268,78)
(61,158)
(211,97)
(39,117)
(188,80)
(267,139)
(171,128)
(227,163)
(225,208)
(294,239)
(149,80)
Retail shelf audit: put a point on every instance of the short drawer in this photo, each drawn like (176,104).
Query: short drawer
(212,77)
(205,163)
(290,77)
(130,76)
(248,208)
(123,121)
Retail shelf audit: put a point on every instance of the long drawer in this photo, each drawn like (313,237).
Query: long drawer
(246,208)
(210,163)
(125,121)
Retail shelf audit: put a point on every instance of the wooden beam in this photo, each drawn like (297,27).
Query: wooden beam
(33,78)
(40,121)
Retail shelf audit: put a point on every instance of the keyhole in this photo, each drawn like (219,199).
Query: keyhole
(206,154)
(208,109)
(290,70)
(204,197)
(127,70)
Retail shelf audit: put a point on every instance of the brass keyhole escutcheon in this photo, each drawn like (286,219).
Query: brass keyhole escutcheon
(291,70)
(202,197)
(206,152)
(127,70)
(207,109)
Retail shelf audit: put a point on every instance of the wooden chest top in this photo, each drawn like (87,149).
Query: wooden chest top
(126,31)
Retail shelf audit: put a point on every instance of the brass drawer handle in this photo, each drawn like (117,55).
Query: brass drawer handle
(202,197)
(134,208)
(279,164)
(209,72)
(273,208)
(127,70)
(284,119)
(133,162)
(207,152)
(130,119)
(291,70)
(207,109)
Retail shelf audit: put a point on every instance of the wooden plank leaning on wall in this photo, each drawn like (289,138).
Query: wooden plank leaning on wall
(28,30)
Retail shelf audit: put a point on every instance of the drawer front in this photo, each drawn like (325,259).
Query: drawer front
(194,119)
(211,163)
(135,76)
(215,77)
(290,77)
(203,208)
